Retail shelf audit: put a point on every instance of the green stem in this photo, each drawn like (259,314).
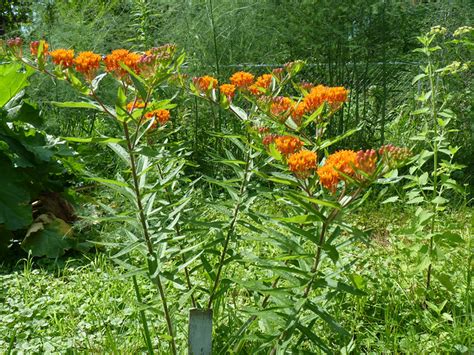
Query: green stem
(435,166)
(146,233)
(216,54)
(178,232)
(317,259)
(231,230)
(146,330)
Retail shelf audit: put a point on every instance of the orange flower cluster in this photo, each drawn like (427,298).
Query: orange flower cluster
(205,83)
(63,57)
(34,46)
(130,59)
(161,116)
(133,105)
(366,161)
(320,94)
(281,106)
(14,42)
(87,63)
(393,156)
(302,162)
(263,82)
(269,139)
(242,79)
(342,161)
(306,85)
(162,53)
(227,90)
(287,145)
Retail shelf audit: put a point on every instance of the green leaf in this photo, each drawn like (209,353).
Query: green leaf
(418,77)
(301,219)
(320,202)
(12,81)
(329,142)
(313,337)
(423,179)
(421,111)
(120,151)
(120,105)
(415,200)
(103,140)
(15,208)
(26,112)
(138,82)
(70,104)
(448,238)
(423,215)
(239,112)
(327,318)
(312,117)
(445,280)
(391,199)
(109,182)
(48,236)
(439,200)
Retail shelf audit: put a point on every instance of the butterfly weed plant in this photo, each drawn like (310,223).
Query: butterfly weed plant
(153,163)
(285,123)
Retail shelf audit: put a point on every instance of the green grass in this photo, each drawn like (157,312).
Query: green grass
(88,304)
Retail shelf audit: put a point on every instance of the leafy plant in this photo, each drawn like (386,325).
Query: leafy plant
(142,115)
(26,152)
(315,195)
(432,176)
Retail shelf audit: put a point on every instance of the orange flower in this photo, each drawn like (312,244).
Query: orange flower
(133,105)
(342,161)
(287,145)
(130,59)
(268,139)
(302,162)
(328,177)
(34,46)
(14,42)
(366,161)
(393,156)
(337,95)
(306,85)
(205,83)
(320,94)
(87,63)
(263,82)
(281,105)
(161,116)
(228,90)
(242,79)
(315,98)
(63,57)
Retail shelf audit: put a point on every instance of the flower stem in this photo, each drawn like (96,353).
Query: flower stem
(146,233)
(230,231)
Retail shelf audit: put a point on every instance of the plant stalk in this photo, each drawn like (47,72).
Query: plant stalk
(435,166)
(151,253)
(230,231)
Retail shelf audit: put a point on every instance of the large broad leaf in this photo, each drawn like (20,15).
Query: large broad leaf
(48,236)
(15,210)
(13,78)
(26,111)
(5,237)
